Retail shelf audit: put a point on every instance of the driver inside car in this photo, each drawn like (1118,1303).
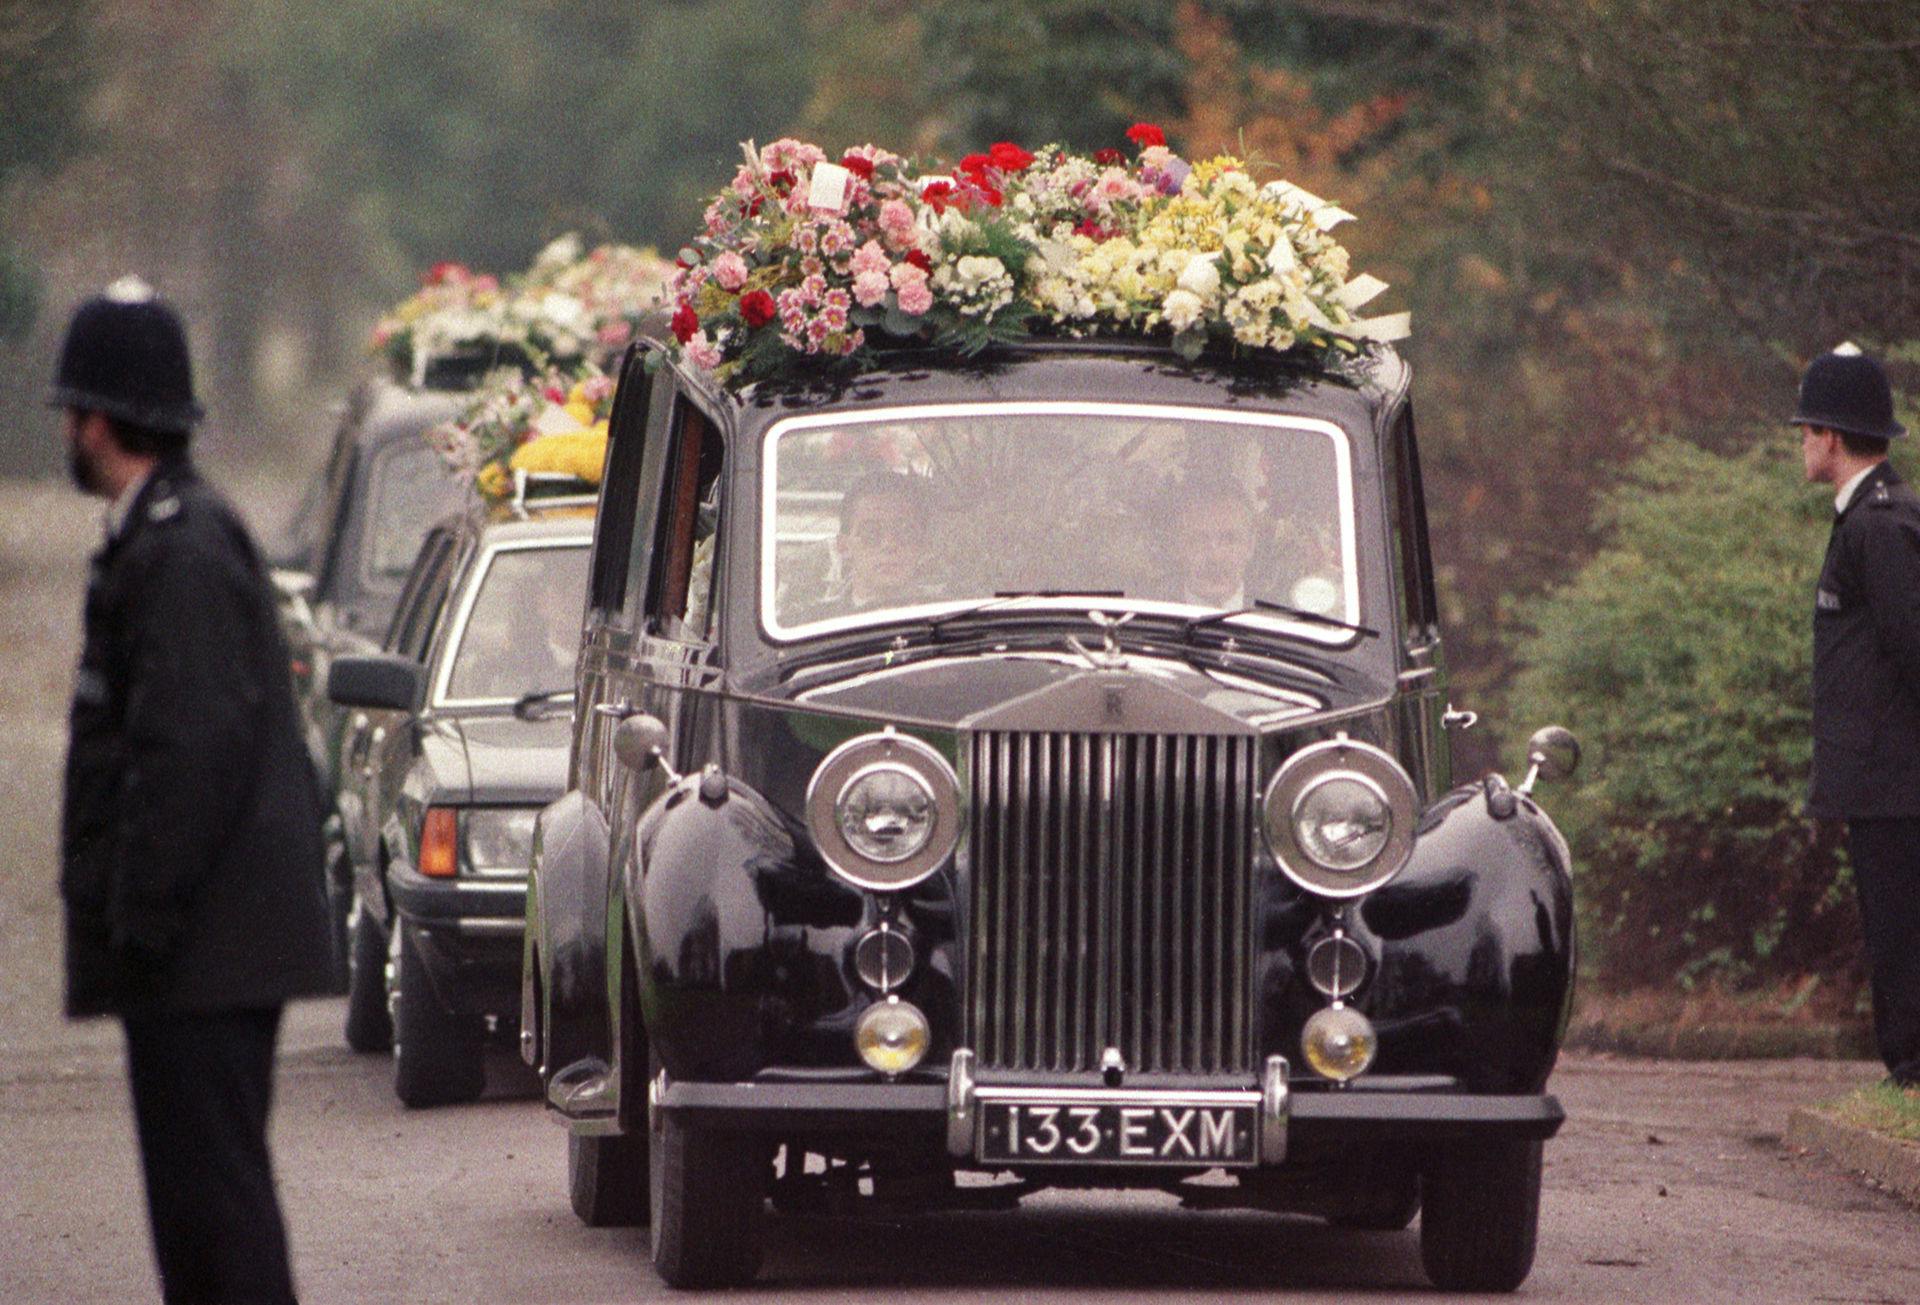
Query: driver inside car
(885,544)
(1215,527)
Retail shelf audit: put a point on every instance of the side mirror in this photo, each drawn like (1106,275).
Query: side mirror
(1552,754)
(381,681)
(640,742)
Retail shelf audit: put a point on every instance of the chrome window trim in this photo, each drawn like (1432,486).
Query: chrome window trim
(769,508)
(457,633)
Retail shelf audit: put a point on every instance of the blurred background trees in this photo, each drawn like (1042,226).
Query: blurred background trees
(1622,227)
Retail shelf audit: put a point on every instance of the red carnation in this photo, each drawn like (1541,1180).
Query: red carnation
(941,195)
(975,166)
(781,181)
(1009,157)
(685,322)
(1108,157)
(756,308)
(918,257)
(859,167)
(991,194)
(1145,134)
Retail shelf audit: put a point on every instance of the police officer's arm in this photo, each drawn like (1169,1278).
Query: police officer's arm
(1890,573)
(192,725)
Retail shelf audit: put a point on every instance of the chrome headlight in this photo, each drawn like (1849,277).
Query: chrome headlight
(500,839)
(884,810)
(1339,816)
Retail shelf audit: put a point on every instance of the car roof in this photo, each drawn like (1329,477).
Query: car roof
(1099,369)
(388,412)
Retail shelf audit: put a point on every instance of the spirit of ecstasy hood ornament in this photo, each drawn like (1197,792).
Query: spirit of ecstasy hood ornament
(1110,657)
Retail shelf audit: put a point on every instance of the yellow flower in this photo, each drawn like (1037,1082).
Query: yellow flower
(577,453)
(493,481)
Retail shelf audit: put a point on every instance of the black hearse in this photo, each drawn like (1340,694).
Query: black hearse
(1037,766)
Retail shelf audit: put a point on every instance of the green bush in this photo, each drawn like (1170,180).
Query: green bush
(1681,654)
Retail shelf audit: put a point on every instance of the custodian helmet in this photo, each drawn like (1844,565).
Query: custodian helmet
(126,355)
(1846,390)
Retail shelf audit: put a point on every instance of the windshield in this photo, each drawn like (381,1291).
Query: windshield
(411,490)
(1186,511)
(520,632)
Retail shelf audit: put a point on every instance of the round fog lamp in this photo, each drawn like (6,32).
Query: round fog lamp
(892,1036)
(1339,1043)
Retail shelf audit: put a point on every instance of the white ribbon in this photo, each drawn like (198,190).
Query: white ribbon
(1385,329)
(1362,290)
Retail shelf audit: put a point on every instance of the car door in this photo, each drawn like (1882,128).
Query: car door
(379,744)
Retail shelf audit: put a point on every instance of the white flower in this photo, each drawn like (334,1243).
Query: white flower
(977,270)
(1182,309)
(1201,275)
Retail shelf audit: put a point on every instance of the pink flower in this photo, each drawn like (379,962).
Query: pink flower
(702,352)
(806,238)
(790,153)
(869,288)
(614,333)
(730,270)
(817,332)
(836,298)
(854,341)
(896,223)
(837,238)
(813,289)
(811,266)
(870,257)
(915,297)
(598,389)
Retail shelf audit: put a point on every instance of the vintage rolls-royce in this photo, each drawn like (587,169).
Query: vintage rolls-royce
(1034,770)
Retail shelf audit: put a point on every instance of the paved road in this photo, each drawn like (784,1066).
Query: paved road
(1669,1184)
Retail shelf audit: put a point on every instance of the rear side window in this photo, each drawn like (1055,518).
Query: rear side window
(522,631)
(619,499)
(410,490)
(679,576)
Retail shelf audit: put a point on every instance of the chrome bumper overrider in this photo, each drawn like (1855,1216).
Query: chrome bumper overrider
(965,1095)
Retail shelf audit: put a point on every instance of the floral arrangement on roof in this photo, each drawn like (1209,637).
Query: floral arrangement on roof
(555,423)
(804,261)
(572,304)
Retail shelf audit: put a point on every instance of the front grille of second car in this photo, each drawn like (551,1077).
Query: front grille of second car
(1109,901)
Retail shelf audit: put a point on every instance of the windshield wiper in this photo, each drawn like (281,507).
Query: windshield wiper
(1005,597)
(1266,605)
(526,703)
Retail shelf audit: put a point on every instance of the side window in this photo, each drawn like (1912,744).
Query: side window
(1412,560)
(621,479)
(679,578)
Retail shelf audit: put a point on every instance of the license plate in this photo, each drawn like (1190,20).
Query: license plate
(1117,1133)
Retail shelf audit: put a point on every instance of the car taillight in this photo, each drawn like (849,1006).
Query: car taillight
(439,843)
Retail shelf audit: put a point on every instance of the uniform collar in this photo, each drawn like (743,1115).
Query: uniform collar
(1857,488)
(120,508)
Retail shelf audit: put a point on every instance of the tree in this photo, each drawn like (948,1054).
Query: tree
(1681,654)
(44,77)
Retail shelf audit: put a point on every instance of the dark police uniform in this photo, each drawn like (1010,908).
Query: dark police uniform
(1866,737)
(191,852)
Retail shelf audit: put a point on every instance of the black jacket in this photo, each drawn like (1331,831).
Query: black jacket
(191,839)
(1866,657)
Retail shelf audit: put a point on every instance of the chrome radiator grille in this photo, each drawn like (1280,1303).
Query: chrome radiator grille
(1109,901)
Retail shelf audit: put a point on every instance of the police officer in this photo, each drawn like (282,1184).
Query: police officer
(191,855)
(1866,677)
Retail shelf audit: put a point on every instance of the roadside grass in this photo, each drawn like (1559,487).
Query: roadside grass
(1885,1109)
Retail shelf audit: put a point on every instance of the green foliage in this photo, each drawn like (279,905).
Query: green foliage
(43,83)
(1075,71)
(1681,654)
(454,136)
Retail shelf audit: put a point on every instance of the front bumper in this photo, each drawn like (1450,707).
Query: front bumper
(1298,1123)
(469,931)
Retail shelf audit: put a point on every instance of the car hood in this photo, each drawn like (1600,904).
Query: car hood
(1025,689)
(509,761)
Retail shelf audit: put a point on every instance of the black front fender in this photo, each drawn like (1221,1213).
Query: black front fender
(742,934)
(1475,940)
(564,970)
